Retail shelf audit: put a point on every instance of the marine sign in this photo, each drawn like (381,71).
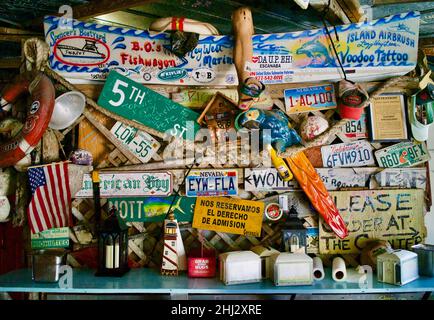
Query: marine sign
(353,154)
(211,183)
(310,99)
(265,179)
(153,209)
(128,184)
(404,154)
(395,215)
(229,215)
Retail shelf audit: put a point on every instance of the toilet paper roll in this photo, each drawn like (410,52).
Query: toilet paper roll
(339,271)
(318,269)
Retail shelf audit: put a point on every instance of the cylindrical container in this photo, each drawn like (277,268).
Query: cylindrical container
(318,269)
(46,265)
(339,271)
(425,256)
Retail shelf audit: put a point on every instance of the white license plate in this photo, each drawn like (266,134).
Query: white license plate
(355,154)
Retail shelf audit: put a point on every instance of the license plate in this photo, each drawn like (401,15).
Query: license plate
(355,129)
(404,154)
(354,154)
(310,99)
(138,142)
(210,183)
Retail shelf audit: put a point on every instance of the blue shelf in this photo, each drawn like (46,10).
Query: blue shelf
(150,281)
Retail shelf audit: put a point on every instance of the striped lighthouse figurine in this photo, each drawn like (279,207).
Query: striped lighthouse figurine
(169,266)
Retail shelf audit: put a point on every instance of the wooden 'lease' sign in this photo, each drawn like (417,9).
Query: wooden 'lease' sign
(395,215)
(135,102)
(229,215)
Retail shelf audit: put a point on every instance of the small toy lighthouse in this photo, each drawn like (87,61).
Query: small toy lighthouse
(169,266)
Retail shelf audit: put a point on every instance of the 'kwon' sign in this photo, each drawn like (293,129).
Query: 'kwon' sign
(392,215)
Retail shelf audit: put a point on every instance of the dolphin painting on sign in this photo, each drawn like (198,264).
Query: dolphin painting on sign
(317,53)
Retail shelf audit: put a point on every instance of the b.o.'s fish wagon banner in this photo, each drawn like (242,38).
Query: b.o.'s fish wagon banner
(368,50)
(153,209)
(89,51)
(229,215)
(394,215)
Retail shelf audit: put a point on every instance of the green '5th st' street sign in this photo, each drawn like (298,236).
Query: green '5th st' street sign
(133,101)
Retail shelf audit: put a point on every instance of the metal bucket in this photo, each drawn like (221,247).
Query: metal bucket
(46,265)
(425,256)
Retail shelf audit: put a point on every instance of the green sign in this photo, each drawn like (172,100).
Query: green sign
(404,154)
(133,101)
(51,238)
(153,209)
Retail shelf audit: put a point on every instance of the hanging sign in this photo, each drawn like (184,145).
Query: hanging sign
(265,179)
(229,215)
(402,177)
(89,51)
(354,154)
(336,178)
(128,184)
(153,209)
(198,98)
(354,129)
(404,154)
(209,183)
(396,216)
(142,144)
(134,101)
(51,238)
(310,99)
(368,50)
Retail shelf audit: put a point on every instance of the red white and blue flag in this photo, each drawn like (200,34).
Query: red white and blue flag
(51,197)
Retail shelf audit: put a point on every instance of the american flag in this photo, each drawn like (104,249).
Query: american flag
(51,197)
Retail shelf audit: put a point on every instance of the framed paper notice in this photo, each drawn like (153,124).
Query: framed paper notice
(388,119)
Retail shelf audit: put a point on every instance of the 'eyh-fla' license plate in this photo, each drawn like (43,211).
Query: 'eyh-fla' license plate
(404,154)
(354,154)
(211,183)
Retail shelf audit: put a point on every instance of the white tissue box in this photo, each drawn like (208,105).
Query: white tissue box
(265,253)
(240,267)
(291,269)
(397,267)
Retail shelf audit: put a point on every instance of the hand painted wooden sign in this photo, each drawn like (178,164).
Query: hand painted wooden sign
(402,177)
(142,144)
(404,154)
(393,215)
(128,184)
(211,183)
(89,51)
(310,99)
(51,238)
(133,101)
(198,98)
(153,209)
(336,178)
(229,215)
(354,154)
(265,179)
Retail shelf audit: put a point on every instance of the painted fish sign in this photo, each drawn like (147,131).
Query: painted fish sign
(128,184)
(153,209)
(134,101)
(142,144)
(404,154)
(410,178)
(229,215)
(265,179)
(393,215)
(354,154)
(310,99)
(211,183)
(89,51)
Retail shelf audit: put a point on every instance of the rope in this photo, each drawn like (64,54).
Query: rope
(36,52)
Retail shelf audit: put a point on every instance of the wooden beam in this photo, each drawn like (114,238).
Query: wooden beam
(94,8)
(382,2)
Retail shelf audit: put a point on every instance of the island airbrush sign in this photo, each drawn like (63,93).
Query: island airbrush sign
(89,51)
(211,183)
(128,184)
